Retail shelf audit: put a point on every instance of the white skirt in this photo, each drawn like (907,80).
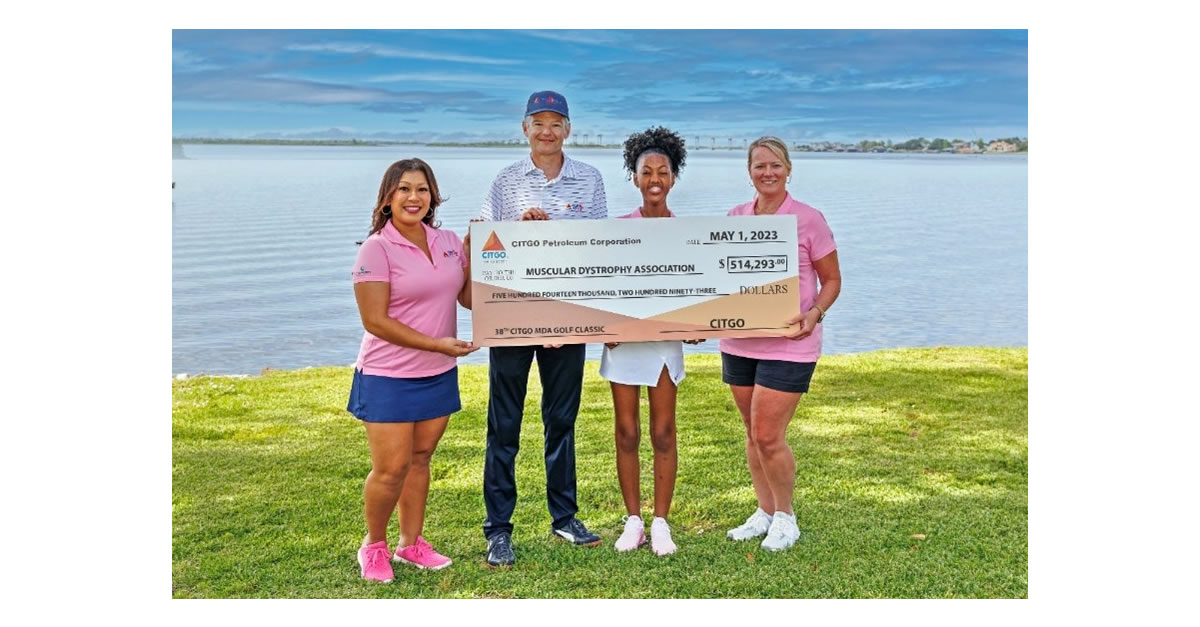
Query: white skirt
(641,363)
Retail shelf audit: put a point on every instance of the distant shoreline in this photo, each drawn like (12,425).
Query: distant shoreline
(289,142)
(359,143)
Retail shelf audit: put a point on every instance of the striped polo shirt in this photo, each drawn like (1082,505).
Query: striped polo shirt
(577,192)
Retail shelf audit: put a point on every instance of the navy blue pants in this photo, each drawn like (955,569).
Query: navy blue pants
(561,372)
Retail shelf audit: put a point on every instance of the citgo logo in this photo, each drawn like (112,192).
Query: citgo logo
(493,249)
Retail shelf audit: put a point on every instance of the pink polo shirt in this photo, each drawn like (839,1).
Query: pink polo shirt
(637,213)
(815,241)
(423,297)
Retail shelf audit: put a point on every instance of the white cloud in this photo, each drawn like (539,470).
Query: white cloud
(924,82)
(785,77)
(447,77)
(397,53)
(593,38)
(817,84)
(184,61)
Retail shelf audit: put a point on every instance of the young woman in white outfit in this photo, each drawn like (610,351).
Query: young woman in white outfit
(654,159)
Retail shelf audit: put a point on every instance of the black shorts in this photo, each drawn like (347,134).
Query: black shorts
(785,376)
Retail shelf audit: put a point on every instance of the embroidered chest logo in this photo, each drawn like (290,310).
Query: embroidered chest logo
(450,253)
(574,207)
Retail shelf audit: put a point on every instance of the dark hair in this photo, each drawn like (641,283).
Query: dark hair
(391,180)
(660,140)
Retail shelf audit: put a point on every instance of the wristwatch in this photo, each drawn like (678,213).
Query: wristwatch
(822,316)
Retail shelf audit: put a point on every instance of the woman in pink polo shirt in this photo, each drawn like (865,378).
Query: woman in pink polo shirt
(407,278)
(767,376)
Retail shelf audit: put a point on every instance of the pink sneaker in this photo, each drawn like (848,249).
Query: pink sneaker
(421,555)
(660,537)
(633,536)
(373,562)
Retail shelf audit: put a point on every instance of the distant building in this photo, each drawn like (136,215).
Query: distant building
(1001,146)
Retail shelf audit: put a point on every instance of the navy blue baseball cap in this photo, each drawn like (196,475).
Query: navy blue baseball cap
(547,101)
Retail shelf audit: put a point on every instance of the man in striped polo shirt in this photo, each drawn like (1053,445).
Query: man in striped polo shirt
(546,185)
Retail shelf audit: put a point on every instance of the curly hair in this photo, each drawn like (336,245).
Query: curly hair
(660,140)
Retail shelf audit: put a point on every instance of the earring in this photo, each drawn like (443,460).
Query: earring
(387,211)
(789,180)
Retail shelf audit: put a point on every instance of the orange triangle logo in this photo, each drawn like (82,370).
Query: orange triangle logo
(493,243)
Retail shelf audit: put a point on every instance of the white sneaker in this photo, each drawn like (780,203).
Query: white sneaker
(783,532)
(633,536)
(660,537)
(756,525)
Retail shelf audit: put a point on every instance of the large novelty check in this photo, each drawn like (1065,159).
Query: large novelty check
(627,280)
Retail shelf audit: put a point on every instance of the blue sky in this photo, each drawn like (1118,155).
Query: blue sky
(459,85)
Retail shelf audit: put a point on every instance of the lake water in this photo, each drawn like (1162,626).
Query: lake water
(933,248)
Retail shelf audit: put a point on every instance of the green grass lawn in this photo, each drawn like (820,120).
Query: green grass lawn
(912,481)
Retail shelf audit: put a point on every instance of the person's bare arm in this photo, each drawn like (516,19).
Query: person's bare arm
(829,274)
(373,297)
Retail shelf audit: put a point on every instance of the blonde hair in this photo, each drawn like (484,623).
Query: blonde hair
(775,145)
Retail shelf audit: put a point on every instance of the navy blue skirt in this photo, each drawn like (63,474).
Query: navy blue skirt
(375,398)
